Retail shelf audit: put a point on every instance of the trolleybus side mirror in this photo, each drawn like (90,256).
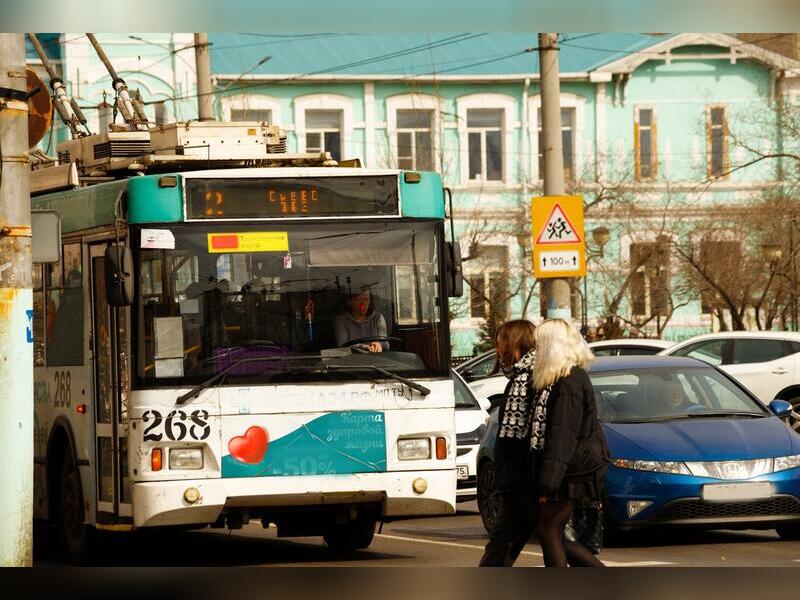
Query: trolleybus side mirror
(119,275)
(45,236)
(455,281)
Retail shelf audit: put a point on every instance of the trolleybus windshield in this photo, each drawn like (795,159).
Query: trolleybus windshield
(344,295)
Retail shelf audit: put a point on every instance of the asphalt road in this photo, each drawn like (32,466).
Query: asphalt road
(455,541)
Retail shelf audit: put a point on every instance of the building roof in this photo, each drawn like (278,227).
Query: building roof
(446,55)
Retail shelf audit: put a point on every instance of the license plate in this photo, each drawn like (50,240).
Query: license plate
(724,492)
(462,471)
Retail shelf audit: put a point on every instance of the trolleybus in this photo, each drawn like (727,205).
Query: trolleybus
(190,368)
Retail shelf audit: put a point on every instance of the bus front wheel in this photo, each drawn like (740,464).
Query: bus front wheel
(355,535)
(76,533)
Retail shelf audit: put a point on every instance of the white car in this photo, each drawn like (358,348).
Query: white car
(629,347)
(471,416)
(765,362)
(486,383)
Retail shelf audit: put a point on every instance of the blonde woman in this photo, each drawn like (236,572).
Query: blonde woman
(569,452)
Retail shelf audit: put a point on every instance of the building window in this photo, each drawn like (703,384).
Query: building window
(160,112)
(485,134)
(488,288)
(644,141)
(415,139)
(251,114)
(567,142)
(720,258)
(717,141)
(324,132)
(649,278)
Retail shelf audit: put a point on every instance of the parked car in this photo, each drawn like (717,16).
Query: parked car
(471,417)
(719,459)
(765,362)
(629,347)
(482,366)
(481,373)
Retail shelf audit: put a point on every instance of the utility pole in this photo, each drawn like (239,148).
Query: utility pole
(557,290)
(205,99)
(16,314)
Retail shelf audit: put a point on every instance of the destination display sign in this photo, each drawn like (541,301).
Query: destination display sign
(297,197)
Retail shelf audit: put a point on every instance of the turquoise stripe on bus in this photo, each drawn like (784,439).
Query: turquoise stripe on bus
(148,203)
(424,199)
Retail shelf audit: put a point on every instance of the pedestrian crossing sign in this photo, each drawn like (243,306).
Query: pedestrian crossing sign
(558,239)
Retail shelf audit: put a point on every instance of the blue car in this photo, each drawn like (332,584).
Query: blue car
(689,446)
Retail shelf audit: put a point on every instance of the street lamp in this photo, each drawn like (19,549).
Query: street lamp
(600,236)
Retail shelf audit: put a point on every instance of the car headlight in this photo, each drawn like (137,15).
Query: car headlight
(782,463)
(654,466)
(414,449)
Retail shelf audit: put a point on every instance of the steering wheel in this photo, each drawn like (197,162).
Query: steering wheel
(367,340)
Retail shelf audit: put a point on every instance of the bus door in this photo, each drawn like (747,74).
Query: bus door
(110,345)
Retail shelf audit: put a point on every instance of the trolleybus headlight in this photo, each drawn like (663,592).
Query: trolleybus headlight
(414,449)
(186,458)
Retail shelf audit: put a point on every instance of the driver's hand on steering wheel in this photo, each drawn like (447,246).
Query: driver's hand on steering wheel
(375,347)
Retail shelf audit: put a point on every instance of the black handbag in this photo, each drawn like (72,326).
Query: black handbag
(586,525)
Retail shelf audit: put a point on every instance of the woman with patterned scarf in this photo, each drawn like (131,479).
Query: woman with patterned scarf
(550,449)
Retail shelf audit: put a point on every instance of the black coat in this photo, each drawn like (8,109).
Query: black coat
(574,442)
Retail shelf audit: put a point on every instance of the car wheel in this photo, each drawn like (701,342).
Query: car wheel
(793,420)
(77,535)
(488,500)
(355,535)
(789,532)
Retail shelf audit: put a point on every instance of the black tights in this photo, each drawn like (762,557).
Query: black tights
(518,517)
(558,551)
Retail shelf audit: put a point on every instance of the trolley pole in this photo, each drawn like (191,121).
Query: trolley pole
(205,99)
(16,314)
(557,290)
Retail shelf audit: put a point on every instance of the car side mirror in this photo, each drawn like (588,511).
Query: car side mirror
(485,404)
(781,408)
(119,275)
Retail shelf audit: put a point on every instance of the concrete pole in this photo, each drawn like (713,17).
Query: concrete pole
(558,293)
(205,98)
(16,303)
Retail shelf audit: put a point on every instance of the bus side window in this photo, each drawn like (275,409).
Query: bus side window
(64,311)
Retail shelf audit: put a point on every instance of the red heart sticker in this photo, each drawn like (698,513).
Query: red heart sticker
(250,447)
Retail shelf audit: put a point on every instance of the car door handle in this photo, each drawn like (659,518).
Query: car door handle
(779,371)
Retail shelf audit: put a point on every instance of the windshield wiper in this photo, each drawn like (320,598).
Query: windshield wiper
(195,391)
(723,414)
(412,384)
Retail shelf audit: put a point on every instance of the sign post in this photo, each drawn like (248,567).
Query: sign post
(559,244)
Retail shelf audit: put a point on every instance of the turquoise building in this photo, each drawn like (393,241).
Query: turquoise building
(655,128)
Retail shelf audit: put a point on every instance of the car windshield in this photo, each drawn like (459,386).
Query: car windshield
(273,295)
(464,397)
(660,394)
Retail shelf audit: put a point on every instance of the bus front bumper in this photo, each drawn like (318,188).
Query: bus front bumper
(164,503)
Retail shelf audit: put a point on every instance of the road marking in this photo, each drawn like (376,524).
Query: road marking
(450,544)
(609,563)
(637,563)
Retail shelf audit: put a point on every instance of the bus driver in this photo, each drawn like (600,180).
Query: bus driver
(361,322)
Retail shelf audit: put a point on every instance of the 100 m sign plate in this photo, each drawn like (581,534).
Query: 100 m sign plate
(559,260)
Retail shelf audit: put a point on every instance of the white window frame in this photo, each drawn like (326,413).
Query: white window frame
(509,124)
(252,102)
(344,104)
(476,268)
(414,102)
(655,165)
(566,101)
